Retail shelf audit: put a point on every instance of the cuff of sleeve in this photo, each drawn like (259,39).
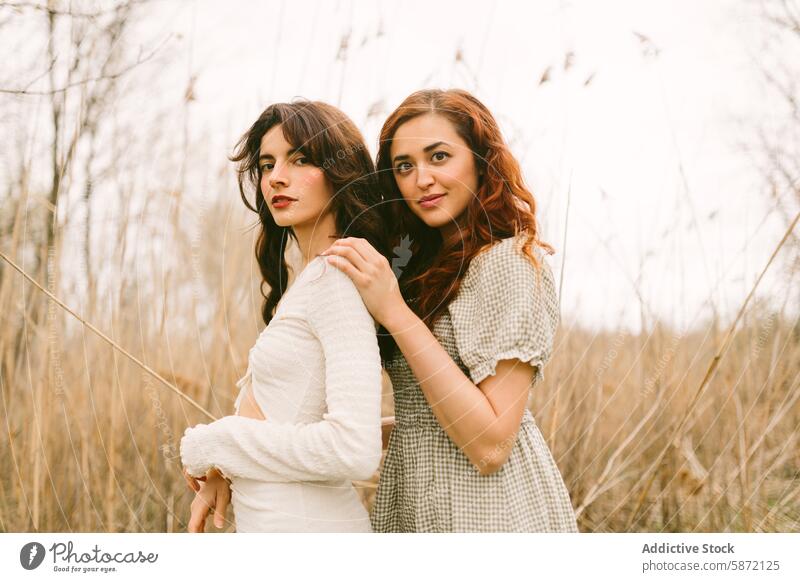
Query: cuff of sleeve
(482,370)
(193,451)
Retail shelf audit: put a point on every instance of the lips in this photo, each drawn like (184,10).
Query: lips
(281,201)
(430,200)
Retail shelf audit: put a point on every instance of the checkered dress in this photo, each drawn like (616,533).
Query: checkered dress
(427,484)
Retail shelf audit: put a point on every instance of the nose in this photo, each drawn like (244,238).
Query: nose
(424,178)
(278,177)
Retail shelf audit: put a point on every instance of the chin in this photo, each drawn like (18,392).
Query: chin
(287,219)
(435,219)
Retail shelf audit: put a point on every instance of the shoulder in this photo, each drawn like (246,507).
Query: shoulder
(321,276)
(328,289)
(504,310)
(505,260)
(503,279)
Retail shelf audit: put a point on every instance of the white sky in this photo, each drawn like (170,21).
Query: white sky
(621,140)
(659,184)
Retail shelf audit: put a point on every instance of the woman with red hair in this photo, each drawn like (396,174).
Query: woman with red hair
(466,328)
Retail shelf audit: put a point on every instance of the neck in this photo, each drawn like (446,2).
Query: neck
(314,238)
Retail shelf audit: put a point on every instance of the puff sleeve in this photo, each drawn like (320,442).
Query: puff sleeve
(504,310)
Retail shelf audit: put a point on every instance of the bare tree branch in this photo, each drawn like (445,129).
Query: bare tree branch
(19,6)
(109,76)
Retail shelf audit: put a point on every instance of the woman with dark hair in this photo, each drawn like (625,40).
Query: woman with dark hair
(307,416)
(466,332)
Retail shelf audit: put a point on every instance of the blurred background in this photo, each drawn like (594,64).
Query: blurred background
(660,139)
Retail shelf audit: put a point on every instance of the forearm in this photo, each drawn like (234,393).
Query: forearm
(462,409)
(267,451)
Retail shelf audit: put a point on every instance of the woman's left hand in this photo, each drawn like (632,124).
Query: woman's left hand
(193,482)
(372,275)
(214,494)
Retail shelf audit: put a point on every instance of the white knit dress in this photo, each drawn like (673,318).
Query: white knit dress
(315,372)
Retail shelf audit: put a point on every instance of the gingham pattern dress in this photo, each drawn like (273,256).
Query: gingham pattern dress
(427,484)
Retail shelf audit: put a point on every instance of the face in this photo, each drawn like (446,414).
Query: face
(297,193)
(434,169)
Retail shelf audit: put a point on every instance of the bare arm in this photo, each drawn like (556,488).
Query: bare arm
(482,420)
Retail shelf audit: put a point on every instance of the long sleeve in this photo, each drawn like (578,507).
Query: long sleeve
(346,442)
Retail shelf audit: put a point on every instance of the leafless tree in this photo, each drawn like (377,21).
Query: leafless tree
(86,55)
(780,140)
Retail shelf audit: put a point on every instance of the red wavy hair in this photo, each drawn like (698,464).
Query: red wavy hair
(502,207)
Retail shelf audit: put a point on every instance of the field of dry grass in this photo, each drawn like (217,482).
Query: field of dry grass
(127,214)
(90,440)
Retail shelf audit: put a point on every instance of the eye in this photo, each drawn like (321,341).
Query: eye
(302,161)
(403,168)
(266,166)
(440,156)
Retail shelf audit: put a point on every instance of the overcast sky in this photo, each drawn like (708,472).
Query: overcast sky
(643,134)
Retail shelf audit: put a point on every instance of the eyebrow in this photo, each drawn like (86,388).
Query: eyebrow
(426,149)
(290,153)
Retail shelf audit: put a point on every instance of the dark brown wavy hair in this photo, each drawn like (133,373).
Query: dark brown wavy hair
(502,206)
(331,141)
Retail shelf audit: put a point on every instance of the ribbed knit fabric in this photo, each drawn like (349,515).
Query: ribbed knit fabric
(315,373)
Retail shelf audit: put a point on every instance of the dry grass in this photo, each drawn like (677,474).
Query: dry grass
(90,440)
(646,440)
(734,466)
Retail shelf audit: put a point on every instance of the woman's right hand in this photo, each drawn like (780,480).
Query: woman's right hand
(214,493)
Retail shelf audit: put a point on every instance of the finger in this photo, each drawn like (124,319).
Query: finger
(351,254)
(338,241)
(378,264)
(197,521)
(192,482)
(200,509)
(366,250)
(360,245)
(188,474)
(194,517)
(221,506)
(347,268)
